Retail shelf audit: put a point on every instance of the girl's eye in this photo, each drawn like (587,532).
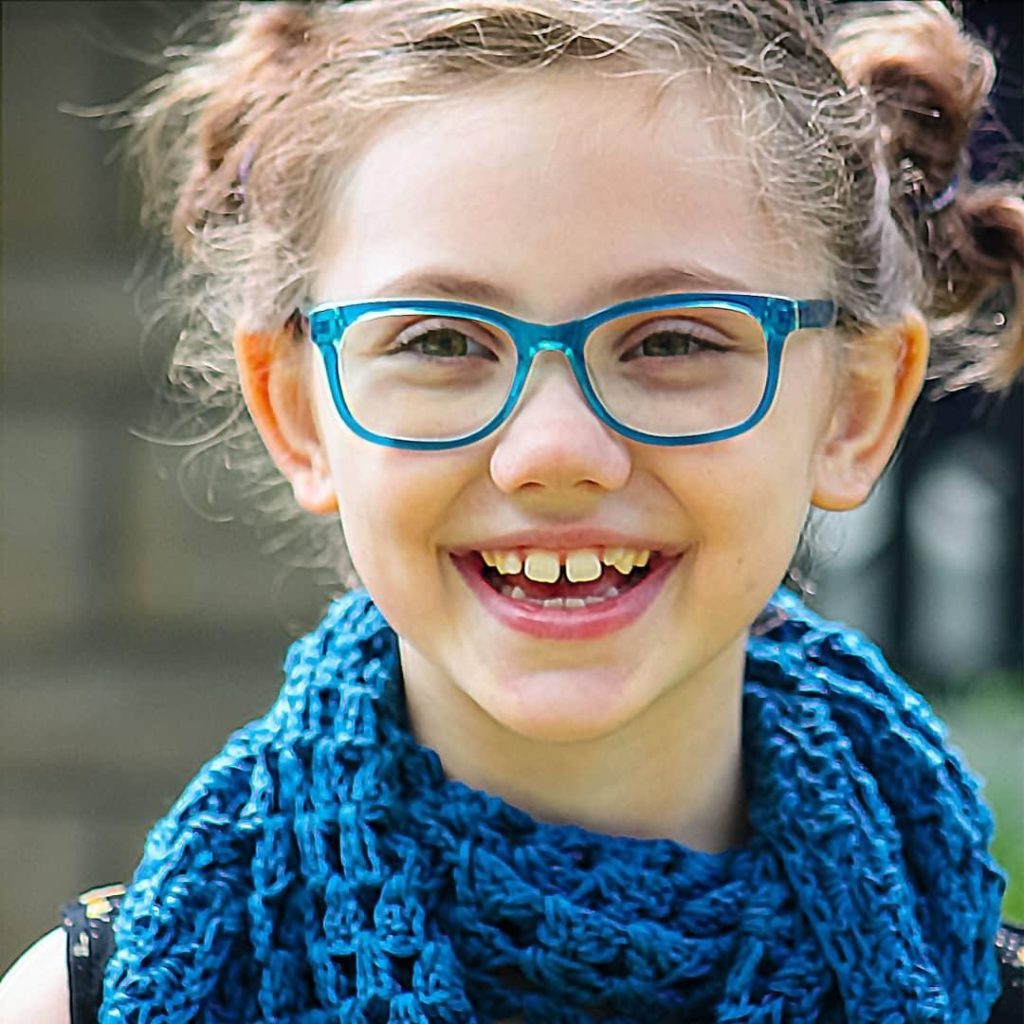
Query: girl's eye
(441,341)
(677,338)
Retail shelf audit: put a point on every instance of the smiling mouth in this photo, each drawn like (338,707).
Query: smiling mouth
(561,585)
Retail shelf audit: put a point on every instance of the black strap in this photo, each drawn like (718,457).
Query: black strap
(1010,949)
(89,925)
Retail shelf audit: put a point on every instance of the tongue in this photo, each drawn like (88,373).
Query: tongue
(562,587)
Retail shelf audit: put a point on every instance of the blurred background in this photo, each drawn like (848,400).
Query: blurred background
(136,633)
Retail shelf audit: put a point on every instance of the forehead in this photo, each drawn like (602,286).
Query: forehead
(555,185)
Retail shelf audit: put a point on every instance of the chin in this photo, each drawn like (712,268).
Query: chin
(562,707)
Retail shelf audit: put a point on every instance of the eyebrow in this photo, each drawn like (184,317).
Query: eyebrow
(441,283)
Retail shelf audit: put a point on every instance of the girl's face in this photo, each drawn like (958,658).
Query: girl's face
(558,193)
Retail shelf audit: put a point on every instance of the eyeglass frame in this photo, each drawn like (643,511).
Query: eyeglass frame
(778,316)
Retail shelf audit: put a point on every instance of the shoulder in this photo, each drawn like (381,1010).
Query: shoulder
(36,987)
(59,979)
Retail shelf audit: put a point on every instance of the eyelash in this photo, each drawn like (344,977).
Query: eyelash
(703,338)
(693,330)
(422,331)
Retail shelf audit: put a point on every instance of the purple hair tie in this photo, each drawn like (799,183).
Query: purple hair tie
(244,170)
(944,198)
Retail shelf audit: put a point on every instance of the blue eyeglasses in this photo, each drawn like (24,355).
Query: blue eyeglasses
(683,369)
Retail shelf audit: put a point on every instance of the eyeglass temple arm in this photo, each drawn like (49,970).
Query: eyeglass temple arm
(815,313)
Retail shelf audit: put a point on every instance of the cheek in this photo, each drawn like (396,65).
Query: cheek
(748,499)
(753,503)
(748,540)
(398,512)
(389,500)
(385,498)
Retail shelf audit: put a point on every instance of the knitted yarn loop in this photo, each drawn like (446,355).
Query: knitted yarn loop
(322,868)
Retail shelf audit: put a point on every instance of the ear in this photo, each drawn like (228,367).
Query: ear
(274,373)
(881,383)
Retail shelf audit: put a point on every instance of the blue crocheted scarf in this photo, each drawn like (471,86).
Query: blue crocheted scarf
(322,868)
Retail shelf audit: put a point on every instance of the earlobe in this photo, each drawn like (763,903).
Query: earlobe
(273,374)
(883,380)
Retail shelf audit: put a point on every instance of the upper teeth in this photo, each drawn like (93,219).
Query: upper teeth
(580,566)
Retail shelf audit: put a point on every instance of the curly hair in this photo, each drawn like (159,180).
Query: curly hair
(856,118)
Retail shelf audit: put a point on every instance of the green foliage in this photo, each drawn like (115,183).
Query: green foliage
(985,717)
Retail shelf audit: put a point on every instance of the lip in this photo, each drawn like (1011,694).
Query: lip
(587,623)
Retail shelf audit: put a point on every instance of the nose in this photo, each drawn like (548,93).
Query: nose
(553,442)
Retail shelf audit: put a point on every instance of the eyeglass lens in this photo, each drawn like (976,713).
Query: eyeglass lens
(670,372)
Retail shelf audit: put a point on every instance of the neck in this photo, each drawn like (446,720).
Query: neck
(673,772)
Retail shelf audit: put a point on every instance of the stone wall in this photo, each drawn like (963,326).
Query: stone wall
(135,634)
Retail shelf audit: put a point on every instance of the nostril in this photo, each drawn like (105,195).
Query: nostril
(556,443)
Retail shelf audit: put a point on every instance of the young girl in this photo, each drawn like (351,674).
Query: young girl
(568,311)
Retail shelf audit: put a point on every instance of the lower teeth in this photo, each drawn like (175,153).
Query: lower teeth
(518,594)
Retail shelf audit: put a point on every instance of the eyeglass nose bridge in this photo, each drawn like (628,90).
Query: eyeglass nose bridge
(548,343)
(569,340)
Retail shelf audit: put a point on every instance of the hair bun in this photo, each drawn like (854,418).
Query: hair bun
(256,68)
(929,81)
